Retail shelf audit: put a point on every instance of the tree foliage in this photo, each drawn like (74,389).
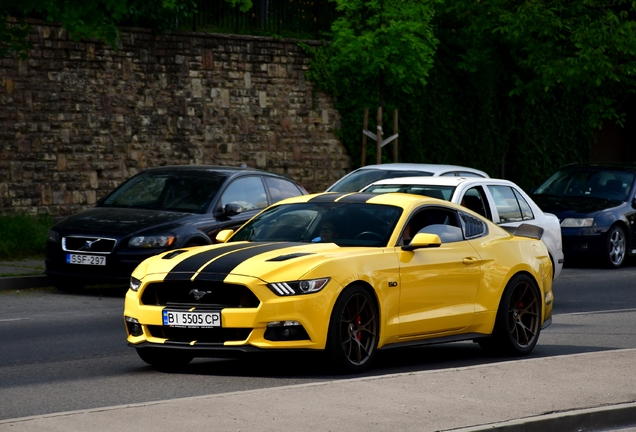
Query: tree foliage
(92,19)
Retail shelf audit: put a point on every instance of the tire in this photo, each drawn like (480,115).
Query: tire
(163,358)
(518,321)
(616,247)
(353,331)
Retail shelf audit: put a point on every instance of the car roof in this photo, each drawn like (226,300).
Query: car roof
(432,168)
(206,168)
(396,199)
(602,165)
(440,181)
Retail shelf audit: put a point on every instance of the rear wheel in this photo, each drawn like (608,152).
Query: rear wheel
(162,358)
(616,245)
(518,321)
(353,330)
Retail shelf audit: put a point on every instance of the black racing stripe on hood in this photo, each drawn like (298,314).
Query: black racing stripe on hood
(329,197)
(227,263)
(186,268)
(358,198)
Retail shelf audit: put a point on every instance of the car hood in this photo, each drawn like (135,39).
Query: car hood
(266,261)
(564,207)
(116,221)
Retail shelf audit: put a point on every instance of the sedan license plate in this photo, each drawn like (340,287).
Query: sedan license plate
(188,319)
(97,260)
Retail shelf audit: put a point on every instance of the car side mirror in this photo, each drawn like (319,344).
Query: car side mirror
(224,235)
(423,240)
(232,209)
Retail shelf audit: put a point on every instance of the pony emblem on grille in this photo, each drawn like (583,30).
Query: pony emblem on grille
(198,295)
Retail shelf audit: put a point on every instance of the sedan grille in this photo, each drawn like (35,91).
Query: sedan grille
(208,294)
(88,244)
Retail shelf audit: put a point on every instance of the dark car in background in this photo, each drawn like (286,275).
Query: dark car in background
(596,206)
(156,210)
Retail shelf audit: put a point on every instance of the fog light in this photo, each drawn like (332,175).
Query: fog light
(134,327)
(285,331)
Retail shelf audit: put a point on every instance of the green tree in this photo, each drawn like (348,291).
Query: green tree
(555,45)
(92,19)
(380,48)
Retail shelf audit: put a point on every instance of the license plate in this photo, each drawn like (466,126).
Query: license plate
(97,260)
(175,318)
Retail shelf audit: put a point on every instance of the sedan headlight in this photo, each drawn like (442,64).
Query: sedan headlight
(577,222)
(148,242)
(298,287)
(54,236)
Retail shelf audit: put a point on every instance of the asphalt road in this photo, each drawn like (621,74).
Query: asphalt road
(63,352)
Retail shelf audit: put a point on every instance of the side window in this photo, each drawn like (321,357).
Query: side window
(433,220)
(472,226)
(526,210)
(248,192)
(475,200)
(280,188)
(506,203)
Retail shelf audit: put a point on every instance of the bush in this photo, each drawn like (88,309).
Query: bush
(23,236)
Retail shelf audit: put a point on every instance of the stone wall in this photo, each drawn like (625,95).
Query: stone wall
(78,118)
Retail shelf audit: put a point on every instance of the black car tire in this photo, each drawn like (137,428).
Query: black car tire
(163,358)
(518,321)
(616,247)
(353,331)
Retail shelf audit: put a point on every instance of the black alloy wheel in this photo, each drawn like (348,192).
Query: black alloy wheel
(616,247)
(518,321)
(353,330)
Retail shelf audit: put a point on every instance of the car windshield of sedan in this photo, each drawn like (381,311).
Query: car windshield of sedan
(184,192)
(345,224)
(592,183)
(363,177)
(440,192)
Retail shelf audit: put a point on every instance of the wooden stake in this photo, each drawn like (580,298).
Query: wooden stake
(363,157)
(379,146)
(395,131)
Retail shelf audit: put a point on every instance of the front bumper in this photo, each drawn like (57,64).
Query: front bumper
(243,329)
(584,241)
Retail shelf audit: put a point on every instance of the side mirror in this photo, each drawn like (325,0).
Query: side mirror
(232,209)
(224,235)
(423,240)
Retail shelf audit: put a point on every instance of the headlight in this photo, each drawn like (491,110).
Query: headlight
(151,241)
(134,283)
(54,236)
(298,287)
(577,223)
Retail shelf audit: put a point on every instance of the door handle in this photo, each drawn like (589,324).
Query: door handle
(470,260)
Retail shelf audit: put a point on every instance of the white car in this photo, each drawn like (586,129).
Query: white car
(357,179)
(501,201)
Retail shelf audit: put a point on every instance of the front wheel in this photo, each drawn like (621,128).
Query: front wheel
(616,246)
(518,320)
(353,330)
(163,358)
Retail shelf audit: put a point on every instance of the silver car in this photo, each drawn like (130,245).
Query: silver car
(357,179)
(501,201)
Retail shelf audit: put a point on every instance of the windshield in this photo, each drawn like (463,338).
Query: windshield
(363,177)
(177,191)
(346,224)
(590,183)
(439,192)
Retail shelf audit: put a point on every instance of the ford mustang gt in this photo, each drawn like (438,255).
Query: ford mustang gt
(346,274)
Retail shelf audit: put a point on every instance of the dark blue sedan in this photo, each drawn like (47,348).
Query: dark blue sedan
(596,206)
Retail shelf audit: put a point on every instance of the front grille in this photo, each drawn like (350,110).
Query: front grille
(207,294)
(88,244)
(203,335)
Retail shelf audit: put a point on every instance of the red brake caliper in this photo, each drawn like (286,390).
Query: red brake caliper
(358,334)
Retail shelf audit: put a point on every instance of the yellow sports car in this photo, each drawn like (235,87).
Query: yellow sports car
(347,274)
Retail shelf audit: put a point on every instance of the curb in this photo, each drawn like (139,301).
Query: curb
(591,419)
(24,282)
